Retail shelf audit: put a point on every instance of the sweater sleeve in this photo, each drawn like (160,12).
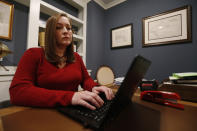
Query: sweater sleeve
(87,82)
(23,89)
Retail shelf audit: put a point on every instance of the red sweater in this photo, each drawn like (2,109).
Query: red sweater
(39,83)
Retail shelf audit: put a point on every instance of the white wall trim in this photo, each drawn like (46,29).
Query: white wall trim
(111,4)
(33,23)
(114,3)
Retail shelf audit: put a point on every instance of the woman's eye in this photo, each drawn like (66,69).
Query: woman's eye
(58,27)
(63,27)
(68,28)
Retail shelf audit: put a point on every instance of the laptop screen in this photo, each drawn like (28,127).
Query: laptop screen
(134,75)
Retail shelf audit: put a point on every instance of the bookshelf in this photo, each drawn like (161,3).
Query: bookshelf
(36,25)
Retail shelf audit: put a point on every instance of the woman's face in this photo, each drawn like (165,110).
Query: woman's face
(63,32)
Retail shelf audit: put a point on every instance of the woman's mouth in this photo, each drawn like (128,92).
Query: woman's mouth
(65,37)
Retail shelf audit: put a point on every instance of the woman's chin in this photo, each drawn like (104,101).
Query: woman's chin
(65,43)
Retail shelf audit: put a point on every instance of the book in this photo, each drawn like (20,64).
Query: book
(185,81)
(41,39)
(185,75)
(184,78)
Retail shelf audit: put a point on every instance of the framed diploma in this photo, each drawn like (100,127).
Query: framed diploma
(122,36)
(170,27)
(6,19)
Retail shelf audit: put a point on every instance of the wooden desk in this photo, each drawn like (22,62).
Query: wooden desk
(138,116)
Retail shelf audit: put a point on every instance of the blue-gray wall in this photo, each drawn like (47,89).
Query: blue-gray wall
(166,59)
(95,37)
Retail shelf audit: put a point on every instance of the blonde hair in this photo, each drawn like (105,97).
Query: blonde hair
(50,41)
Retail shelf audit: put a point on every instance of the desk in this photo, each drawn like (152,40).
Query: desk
(138,116)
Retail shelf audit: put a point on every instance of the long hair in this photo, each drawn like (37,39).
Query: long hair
(50,41)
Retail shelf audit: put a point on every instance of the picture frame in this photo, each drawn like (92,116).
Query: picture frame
(6,20)
(122,36)
(169,27)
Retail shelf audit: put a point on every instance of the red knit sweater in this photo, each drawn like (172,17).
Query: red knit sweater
(39,83)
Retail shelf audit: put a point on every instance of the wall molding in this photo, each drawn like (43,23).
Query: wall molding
(111,4)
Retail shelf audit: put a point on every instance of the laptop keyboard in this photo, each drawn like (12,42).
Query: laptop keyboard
(97,114)
(91,118)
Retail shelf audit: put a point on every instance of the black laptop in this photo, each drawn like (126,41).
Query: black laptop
(96,119)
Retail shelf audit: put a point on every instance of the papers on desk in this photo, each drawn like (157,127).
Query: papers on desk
(119,80)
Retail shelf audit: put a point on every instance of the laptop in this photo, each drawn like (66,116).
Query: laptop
(96,119)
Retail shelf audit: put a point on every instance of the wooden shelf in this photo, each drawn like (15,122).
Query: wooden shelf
(76,3)
(52,10)
(77,37)
(42,24)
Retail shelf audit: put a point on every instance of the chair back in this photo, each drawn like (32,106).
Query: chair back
(105,75)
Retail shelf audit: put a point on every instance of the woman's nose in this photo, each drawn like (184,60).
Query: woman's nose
(65,29)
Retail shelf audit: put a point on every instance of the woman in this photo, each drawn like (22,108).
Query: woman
(50,76)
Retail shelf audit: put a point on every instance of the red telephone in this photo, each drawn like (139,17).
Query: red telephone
(162,97)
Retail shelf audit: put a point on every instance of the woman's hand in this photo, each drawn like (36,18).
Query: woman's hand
(84,98)
(108,92)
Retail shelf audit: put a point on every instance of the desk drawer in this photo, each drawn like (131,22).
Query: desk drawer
(4,90)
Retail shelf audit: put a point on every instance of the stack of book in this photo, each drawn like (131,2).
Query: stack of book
(185,84)
(184,78)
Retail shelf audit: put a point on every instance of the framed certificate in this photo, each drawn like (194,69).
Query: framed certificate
(170,27)
(6,19)
(122,36)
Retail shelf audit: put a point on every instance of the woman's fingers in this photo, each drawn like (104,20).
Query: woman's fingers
(93,98)
(87,99)
(111,94)
(87,105)
(108,92)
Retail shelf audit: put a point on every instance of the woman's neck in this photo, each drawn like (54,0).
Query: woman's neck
(60,51)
